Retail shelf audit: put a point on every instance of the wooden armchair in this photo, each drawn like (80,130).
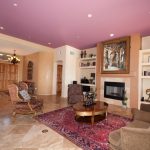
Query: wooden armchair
(21,106)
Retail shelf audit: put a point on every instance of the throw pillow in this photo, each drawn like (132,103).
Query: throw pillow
(25,95)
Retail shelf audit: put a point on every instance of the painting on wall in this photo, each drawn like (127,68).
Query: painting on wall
(115,56)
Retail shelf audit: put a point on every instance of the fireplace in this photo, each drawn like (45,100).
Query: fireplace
(114,90)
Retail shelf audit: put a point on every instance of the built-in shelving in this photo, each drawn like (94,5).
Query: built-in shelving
(88,68)
(84,84)
(144,76)
(145,64)
(85,59)
(144,102)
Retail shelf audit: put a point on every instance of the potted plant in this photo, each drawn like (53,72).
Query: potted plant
(124,101)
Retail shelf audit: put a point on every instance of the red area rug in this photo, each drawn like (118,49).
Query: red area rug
(84,135)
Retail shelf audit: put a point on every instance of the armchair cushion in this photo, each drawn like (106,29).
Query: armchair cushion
(24,94)
(135,138)
(114,139)
(138,124)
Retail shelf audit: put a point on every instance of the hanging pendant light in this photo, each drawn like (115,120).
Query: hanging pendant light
(13,59)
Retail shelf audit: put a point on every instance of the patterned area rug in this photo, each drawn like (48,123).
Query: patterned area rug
(84,135)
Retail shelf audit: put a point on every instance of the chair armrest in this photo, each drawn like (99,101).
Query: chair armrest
(33,97)
(21,102)
(17,101)
(135,138)
(141,115)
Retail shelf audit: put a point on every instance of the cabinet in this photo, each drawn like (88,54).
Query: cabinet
(8,75)
(144,77)
(88,71)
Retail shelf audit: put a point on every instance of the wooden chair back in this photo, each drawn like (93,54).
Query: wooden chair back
(13,92)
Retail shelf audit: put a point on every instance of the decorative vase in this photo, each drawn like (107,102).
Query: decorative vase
(89,99)
(81,54)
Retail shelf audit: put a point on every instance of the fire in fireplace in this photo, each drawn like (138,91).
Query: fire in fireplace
(114,90)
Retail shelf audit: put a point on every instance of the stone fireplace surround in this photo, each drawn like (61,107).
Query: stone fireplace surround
(114,79)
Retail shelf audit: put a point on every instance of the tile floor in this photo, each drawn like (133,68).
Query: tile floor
(25,133)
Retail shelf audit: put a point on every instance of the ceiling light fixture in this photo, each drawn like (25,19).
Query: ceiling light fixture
(111,35)
(15,4)
(13,59)
(89,15)
(49,43)
(2,28)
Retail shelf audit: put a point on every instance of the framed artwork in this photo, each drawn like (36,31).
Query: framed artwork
(116,56)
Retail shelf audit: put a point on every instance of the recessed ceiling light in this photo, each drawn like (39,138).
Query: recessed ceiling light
(89,15)
(1,54)
(49,43)
(15,4)
(111,35)
(2,28)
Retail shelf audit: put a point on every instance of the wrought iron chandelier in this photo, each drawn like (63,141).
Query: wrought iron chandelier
(14,59)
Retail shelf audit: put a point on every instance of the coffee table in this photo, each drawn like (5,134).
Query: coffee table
(98,110)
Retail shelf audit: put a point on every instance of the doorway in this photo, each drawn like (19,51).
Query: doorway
(59,80)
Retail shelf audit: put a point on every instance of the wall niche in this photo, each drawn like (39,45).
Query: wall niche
(30,70)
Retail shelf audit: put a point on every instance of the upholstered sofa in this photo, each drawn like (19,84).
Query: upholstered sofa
(134,136)
(75,93)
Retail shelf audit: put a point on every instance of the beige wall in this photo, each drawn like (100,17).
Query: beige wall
(133,74)
(146,42)
(68,56)
(134,68)
(42,71)
(45,73)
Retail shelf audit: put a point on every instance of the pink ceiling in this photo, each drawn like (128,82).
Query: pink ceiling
(63,22)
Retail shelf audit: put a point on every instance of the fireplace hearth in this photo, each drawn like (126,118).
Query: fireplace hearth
(114,90)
